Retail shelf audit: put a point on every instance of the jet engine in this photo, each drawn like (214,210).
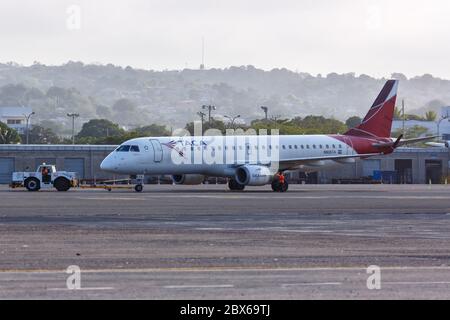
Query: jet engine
(252,175)
(188,179)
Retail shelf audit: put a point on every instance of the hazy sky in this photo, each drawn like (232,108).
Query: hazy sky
(376,37)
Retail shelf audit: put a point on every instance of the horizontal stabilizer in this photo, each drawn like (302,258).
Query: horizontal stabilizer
(401,142)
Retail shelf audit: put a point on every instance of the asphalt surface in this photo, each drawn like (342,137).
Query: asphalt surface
(204,242)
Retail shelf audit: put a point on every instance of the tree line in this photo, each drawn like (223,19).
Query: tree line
(103,131)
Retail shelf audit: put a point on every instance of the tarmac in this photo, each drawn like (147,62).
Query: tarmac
(205,242)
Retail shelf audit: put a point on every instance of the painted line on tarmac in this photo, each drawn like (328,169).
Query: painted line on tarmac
(81,289)
(417,283)
(220,269)
(311,284)
(222,286)
(111,199)
(263,197)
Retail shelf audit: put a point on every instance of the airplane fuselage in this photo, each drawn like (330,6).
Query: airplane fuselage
(219,156)
(258,160)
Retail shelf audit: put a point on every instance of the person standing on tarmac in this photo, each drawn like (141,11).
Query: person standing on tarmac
(279,182)
(281,178)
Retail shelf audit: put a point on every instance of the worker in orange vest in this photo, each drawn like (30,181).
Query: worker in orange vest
(280,177)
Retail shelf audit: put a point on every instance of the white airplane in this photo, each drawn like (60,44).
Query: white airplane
(254,160)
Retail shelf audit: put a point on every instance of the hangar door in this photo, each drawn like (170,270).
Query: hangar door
(75,165)
(369,166)
(404,170)
(433,171)
(6,170)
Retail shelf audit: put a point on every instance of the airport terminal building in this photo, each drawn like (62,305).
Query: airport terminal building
(405,165)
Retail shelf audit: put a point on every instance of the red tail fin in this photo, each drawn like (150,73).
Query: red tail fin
(378,121)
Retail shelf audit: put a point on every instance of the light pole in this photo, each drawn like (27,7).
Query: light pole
(232,120)
(210,108)
(403,118)
(202,116)
(439,125)
(73,116)
(265,109)
(275,120)
(27,117)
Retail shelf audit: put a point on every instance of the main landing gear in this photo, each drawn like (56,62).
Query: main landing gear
(235,186)
(279,183)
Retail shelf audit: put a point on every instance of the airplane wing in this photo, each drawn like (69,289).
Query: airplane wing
(292,163)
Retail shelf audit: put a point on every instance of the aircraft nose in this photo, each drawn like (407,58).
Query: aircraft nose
(107,164)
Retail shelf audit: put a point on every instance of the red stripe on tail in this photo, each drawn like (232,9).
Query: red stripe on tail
(378,121)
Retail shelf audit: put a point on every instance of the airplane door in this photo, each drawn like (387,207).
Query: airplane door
(248,151)
(157,150)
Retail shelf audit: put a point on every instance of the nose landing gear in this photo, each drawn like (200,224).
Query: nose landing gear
(139,183)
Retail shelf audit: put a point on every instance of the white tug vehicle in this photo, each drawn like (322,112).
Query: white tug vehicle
(45,177)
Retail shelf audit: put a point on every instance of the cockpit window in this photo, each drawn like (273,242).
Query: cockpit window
(123,149)
(134,149)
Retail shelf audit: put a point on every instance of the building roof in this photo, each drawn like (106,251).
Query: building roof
(55,147)
(14,111)
(90,147)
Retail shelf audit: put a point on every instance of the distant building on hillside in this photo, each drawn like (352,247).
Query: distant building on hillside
(15,117)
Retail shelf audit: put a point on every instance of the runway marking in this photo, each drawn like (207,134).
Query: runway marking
(305,284)
(108,199)
(417,283)
(224,269)
(262,197)
(81,289)
(223,286)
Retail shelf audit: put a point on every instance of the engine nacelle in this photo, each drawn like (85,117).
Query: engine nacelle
(188,179)
(253,175)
